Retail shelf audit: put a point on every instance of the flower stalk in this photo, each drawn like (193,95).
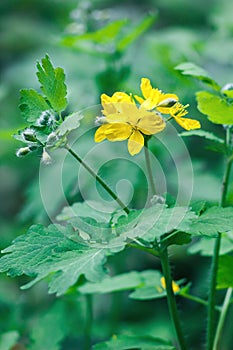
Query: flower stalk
(100,181)
(148,165)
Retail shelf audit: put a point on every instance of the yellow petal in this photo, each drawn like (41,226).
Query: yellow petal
(126,113)
(135,142)
(164,97)
(100,133)
(146,87)
(110,103)
(188,124)
(153,99)
(118,131)
(175,286)
(139,99)
(151,123)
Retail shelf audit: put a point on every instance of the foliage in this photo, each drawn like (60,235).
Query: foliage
(98,248)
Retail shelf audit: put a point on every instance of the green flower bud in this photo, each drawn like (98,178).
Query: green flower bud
(169,102)
(29,135)
(46,159)
(23,151)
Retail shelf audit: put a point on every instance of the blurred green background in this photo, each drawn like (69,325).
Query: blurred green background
(180,31)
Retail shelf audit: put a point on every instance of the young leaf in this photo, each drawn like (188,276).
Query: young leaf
(32,105)
(46,252)
(188,68)
(217,109)
(212,221)
(202,133)
(124,342)
(225,276)
(52,84)
(71,122)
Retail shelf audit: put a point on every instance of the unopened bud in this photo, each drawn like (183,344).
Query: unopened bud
(169,102)
(100,120)
(46,119)
(46,159)
(51,139)
(23,151)
(29,135)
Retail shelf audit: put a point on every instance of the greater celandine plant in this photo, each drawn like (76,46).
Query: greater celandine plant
(62,253)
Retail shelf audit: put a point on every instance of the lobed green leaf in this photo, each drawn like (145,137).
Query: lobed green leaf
(189,68)
(52,84)
(32,105)
(212,221)
(48,252)
(217,109)
(202,133)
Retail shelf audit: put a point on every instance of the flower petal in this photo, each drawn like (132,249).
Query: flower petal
(110,103)
(188,124)
(135,142)
(146,87)
(151,123)
(100,133)
(118,132)
(153,99)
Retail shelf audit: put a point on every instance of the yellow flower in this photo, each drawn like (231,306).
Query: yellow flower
(154,98)
(178,111)
(124,120)
(175,286)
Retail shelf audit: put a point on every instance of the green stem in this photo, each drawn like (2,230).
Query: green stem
(225,182)
(212,294)
(148,165)
(222,318)
(101,182)
(194,298)
(144,249)
(171,299)
(215,258)
(89,320)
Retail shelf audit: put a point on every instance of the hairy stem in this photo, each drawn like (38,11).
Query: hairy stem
(222,318)
(148,165)
(171,299)
(100,181)
(215,258)
(212,294)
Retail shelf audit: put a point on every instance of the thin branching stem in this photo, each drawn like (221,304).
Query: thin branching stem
(148,165)
(100,181)
(225,307)
(214,265)
(171,299)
